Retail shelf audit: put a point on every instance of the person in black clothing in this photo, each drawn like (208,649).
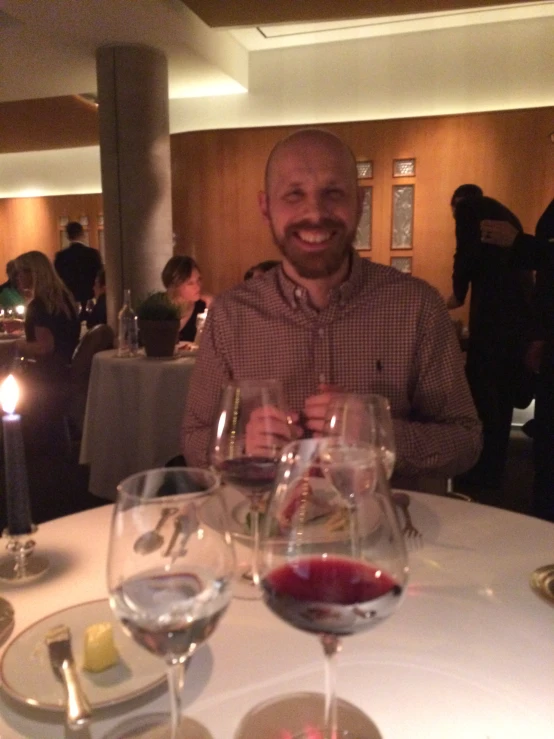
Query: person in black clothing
(51,334)
(183,283)
(98,314)
(537,252)
(78,265)
(261,268)
(499,316)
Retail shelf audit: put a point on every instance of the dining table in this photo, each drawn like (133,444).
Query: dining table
(469,654)
(133,415)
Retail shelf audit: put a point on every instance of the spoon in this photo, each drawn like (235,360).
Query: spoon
(152,540)
(185,524)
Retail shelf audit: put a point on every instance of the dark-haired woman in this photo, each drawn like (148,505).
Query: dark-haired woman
(183,283)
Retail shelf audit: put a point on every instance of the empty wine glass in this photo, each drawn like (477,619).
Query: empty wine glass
(252,426)
(170,583)
(338,566)
(365,418)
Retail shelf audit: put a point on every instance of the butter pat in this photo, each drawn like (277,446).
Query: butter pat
(100,650)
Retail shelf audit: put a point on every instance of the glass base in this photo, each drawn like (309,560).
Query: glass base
(299,716)
(157,726)
(35,566)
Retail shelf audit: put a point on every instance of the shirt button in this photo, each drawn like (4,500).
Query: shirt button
(321,332)
(298,292)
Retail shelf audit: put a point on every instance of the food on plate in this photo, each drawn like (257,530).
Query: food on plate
(100,650)
(304,505)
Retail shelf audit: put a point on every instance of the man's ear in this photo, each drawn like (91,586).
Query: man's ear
(263,204)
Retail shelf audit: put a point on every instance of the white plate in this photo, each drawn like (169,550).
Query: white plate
(27,675)
(238,507)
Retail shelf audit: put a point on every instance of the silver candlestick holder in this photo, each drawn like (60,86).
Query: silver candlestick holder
(21,564)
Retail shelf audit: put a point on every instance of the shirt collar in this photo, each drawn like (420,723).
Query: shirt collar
(294,294)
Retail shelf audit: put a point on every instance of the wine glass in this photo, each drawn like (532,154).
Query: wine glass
(365,418)
(169,573)
(332,580)
(251,428)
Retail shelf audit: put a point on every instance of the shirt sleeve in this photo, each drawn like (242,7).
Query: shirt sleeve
(209,376)
(442,436)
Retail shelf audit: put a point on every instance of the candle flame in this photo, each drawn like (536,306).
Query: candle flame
(9,394)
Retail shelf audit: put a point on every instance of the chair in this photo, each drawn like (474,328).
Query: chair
(95,340)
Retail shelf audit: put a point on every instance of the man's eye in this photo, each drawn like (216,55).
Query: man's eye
(293,196)
(335,194)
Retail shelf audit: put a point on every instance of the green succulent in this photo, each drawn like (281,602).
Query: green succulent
(158,307)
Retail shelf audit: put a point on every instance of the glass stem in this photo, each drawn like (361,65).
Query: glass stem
(331,647)
(255,516)
(175,679)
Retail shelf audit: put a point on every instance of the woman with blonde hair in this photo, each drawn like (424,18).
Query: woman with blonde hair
(183,283)
(51,319)
(52,331)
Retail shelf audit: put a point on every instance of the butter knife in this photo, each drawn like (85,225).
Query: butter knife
(58,641)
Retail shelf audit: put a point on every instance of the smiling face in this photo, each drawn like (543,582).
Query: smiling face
(312,203)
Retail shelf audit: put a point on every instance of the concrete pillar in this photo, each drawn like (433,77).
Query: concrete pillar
(136,169)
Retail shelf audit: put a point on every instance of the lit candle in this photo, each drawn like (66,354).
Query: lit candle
(18,508)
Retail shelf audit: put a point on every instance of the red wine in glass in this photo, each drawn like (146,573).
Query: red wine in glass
(332,582)
(331,595)
(253,476)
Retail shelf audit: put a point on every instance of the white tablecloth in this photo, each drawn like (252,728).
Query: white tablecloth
(468,655)
(133,417)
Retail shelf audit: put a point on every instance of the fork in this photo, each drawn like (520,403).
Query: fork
(411,532)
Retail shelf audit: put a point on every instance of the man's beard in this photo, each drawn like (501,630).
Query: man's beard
(313,266)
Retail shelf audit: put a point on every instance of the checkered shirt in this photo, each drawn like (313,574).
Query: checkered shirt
(382,332)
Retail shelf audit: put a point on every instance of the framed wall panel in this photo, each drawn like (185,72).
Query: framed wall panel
(363,234)
(402,264)
(365,169)
(403,167)
(402,217)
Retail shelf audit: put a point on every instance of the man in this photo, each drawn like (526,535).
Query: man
(499,315)
(537,252)
(78,265)
(326,317)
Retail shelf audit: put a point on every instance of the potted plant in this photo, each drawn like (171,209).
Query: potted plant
(158,322)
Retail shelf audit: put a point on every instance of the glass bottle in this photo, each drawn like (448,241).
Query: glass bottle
(200,321)
(128,328)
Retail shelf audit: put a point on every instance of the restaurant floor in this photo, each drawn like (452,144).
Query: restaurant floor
(59,484)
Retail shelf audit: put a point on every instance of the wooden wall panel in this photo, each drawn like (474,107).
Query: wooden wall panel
(217,175)
(47,123)
(33,223)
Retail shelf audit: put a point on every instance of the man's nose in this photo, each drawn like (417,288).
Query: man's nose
(315,207)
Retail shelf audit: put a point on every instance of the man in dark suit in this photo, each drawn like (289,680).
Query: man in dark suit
(499,316)
(78,265)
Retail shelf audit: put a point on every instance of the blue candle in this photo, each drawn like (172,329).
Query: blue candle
(18,508)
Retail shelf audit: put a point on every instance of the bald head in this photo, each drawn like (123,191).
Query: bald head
(298,140)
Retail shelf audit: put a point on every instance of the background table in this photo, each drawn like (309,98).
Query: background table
(133,416)
(468,655)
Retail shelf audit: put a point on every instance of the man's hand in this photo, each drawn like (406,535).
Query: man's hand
(452,302)
(316,407)
(499,233)
(268,430)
